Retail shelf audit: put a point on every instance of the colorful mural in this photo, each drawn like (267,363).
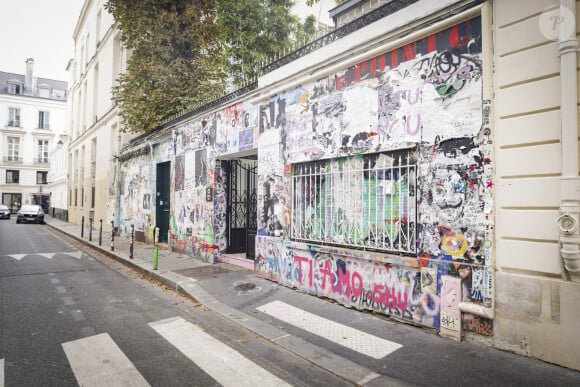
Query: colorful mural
(198,204)
(421,103)
(426,95)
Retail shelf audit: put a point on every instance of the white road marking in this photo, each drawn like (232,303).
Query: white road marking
(348,337)
(221,362)
(1,372)
(46,255)
(98,361)
(76,254)
(73,254)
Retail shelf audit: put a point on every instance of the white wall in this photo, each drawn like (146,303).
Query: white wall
(536,312)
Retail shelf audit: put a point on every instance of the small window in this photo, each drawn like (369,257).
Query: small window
(12,177)
(43,120)
(41,177)
(42,152)
(14,88)
(365,201)
(44,92)
(76,196)
(93,192)
(14,117)
(13,149)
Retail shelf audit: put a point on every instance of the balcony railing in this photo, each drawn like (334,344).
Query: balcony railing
(41,160)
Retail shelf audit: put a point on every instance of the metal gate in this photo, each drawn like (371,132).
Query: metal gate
(242,200)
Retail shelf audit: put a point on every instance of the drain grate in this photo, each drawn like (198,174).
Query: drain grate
(245,286)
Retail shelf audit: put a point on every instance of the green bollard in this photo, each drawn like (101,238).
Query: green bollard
(156,250)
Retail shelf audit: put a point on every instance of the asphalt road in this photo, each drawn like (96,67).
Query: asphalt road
(69,316)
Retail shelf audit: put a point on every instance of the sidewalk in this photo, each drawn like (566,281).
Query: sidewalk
(418,357)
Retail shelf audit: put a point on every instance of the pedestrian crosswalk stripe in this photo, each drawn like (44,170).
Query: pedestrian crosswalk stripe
(348,337)
(1,372)
(221,362)
(98,361)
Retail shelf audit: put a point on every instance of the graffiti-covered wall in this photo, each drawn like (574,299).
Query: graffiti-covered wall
(137,200)
(373,189)
(198,204)
(427,97)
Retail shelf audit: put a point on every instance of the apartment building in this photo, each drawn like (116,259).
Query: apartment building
(95,130)
(32,134)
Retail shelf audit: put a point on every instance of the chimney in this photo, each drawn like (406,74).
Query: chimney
(28,78)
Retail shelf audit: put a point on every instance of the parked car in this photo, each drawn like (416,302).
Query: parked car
(30,213)
(4,212)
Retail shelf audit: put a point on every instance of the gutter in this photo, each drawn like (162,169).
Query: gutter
(570,181)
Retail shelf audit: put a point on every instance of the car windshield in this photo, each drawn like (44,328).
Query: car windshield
(3,207)
(29,208)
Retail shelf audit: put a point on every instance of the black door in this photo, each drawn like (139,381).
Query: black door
(242,200)
(162,201)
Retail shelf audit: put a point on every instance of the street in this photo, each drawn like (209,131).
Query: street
(71,314)
(71,318)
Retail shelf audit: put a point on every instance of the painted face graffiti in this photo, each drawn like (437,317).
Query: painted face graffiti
(449,197)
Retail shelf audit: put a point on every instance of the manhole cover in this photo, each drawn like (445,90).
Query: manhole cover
(244,287)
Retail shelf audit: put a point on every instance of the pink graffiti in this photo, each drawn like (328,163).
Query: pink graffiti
(450,297)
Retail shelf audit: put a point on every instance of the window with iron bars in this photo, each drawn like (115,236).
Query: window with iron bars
(364,201)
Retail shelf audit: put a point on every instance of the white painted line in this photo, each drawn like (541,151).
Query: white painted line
(218,360)
(1,372)
(18,257)
(46,255)
(348,337)
(98,361)
(75,254)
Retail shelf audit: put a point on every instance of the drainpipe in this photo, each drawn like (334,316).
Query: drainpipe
(569,182)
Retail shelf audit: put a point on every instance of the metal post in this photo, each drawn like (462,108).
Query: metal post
(156,250)
(82,227)
(131,241)
(90,229)
(112,235)
(100,232)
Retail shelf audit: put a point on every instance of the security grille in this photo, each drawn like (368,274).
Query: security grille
(364,201)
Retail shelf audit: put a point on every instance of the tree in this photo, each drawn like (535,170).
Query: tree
(183,50)
(254,31)
(176,59)
(310,3)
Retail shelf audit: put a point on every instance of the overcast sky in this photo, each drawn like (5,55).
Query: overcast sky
(42,29)
(39,29)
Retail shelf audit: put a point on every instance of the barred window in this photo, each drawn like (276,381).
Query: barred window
(364,201)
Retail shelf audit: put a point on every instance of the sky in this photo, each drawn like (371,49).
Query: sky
(38,29)
(42,30)
(319,10)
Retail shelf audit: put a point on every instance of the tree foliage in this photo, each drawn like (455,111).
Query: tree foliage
(184,52)
(254,31)
(310,3)
(175,60)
